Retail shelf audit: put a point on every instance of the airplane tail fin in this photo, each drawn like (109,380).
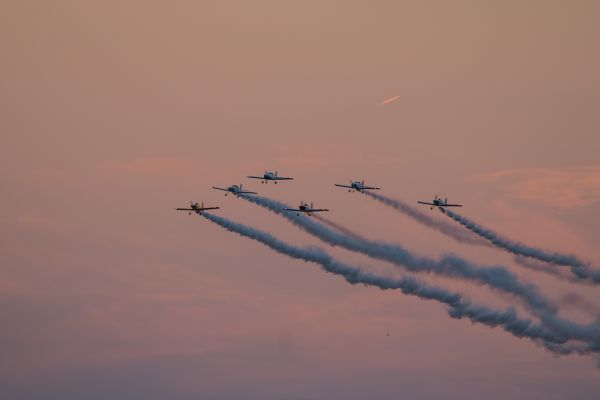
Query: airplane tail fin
(275,173)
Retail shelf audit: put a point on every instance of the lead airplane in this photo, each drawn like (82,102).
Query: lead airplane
(197,208)
(439,203)
(305,208)
(357,186)
(270,176)
(235,189)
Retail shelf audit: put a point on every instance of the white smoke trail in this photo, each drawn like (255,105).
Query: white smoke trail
(496,277)
(459,306)
(460,235)
(580,269)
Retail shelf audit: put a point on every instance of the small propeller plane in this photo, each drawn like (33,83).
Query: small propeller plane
(438,202)
(305,208)
(197,208)
(235,189)
(357,186)
(270,176)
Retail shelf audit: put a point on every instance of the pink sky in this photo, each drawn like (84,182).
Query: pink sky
(115,112)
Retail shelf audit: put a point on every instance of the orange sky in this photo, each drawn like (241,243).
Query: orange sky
(115,112)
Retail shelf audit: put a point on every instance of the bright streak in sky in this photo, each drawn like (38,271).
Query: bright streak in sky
(390,100)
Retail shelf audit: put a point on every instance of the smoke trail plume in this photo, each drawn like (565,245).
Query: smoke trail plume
(459,307)
(340,228)
(539,266)
(580,269)
(447,229)
(496,277)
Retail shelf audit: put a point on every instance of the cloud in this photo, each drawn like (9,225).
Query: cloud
(556,187)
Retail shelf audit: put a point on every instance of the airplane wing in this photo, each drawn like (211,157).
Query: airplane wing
(317,210)
(282,178)
(346,186)
(218,188)
(184,209)
(209,208)
(369,188)
(452,205)
(256,177)
(424,202)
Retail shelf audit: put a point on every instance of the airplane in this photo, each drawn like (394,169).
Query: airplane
(270,176)
(235,189)
(197,208)
(305,208)
(357,186)
(438,202)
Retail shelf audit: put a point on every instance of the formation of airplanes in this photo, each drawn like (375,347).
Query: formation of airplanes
(305,208)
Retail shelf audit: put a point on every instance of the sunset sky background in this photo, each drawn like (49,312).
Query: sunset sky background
(115,112)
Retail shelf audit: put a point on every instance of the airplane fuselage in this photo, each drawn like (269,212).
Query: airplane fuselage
(358,186)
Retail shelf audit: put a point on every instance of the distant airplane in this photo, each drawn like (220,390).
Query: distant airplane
(305,208)
(197,208)
(270,176)
(438,202)
(357,186)
(235,189)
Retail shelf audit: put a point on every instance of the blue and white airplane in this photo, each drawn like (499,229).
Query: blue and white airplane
(305,208)
(197,208)
(439,203)
(270,176)
(235,189)
(357,186)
